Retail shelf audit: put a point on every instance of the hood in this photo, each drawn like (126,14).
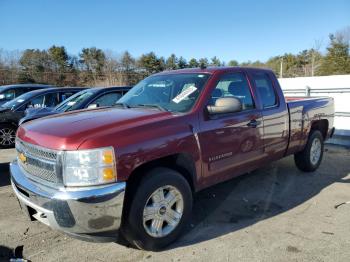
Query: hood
(69,130)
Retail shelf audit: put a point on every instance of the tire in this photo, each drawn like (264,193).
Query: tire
(7,136)
(138,228)
(309,160)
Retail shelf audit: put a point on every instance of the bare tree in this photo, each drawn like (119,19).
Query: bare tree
(316,55)
(111,67)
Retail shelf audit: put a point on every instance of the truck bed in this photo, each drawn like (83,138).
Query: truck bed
(303,111)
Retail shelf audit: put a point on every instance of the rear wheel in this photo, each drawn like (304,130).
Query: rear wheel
(7,136)
(310,158)
(160,208)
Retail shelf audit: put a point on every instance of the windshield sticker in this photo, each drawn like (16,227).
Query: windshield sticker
(71,103)
(20,100)
(184,94)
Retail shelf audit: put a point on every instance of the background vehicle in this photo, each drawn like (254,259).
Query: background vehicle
(10,92)
(89,98)
(174,133)
(12,111)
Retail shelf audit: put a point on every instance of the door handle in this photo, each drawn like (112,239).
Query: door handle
(253,123)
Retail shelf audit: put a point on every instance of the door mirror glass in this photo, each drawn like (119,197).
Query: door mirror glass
(225,105)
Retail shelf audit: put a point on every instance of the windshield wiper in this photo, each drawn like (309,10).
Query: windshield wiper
(152,105)
(124,105)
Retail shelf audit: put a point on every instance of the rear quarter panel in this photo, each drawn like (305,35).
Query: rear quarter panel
(304,112)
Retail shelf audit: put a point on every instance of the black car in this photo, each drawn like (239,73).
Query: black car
(12,111)
(89,98)
(9,92)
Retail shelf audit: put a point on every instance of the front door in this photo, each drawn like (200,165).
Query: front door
(231,144)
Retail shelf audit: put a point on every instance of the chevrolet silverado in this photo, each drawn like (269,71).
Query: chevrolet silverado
(132,169)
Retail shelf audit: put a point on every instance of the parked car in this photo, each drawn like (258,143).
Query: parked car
(133,168)
(10,92)
(12,111)
(89,98)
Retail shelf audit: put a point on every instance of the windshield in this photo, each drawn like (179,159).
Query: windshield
(74,102)
(173,92)
(17,101)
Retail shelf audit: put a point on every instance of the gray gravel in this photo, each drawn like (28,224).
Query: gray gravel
(276,213)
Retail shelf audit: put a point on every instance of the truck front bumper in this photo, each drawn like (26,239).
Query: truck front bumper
(92,213)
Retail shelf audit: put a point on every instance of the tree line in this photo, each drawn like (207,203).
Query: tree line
(96,67)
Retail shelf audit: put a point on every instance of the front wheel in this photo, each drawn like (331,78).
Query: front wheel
(310,158)
(160,208)
(7,136)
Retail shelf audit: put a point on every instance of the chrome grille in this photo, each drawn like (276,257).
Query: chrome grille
(39,163)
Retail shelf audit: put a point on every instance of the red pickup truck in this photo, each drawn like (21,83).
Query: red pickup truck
(132,169)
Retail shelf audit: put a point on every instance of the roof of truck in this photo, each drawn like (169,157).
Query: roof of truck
(212,70)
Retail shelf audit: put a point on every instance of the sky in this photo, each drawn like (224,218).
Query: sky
(228,29)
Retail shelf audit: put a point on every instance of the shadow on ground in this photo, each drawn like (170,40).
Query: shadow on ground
(264,193)
(250,198)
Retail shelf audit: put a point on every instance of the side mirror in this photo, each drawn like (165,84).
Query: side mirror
(93,106)
(225,105)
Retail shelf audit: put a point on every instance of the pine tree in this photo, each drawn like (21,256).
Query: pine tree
(337,59)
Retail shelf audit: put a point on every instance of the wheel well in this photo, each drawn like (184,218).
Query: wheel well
(182,163)
(322,126)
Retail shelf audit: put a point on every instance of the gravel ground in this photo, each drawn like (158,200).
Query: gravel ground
(276,213)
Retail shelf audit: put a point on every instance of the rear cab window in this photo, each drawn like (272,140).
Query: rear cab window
(265,89)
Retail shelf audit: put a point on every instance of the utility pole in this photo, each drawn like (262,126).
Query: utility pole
(281,68)
(313,63)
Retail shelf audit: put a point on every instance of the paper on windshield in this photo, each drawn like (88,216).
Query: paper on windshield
(184,94)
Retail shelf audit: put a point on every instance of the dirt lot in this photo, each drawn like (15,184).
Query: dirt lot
(273,214)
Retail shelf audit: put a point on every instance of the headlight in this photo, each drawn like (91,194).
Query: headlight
(89,167)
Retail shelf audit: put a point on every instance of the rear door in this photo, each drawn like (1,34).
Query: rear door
(274,113)
(231,144)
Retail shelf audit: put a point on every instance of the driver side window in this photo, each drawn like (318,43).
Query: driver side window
(233,85)
(108,99)
(36,102)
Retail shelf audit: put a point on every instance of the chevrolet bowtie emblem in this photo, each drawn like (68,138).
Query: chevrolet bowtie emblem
(22,157)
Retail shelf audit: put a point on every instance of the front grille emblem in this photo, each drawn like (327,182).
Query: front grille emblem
(23,158)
